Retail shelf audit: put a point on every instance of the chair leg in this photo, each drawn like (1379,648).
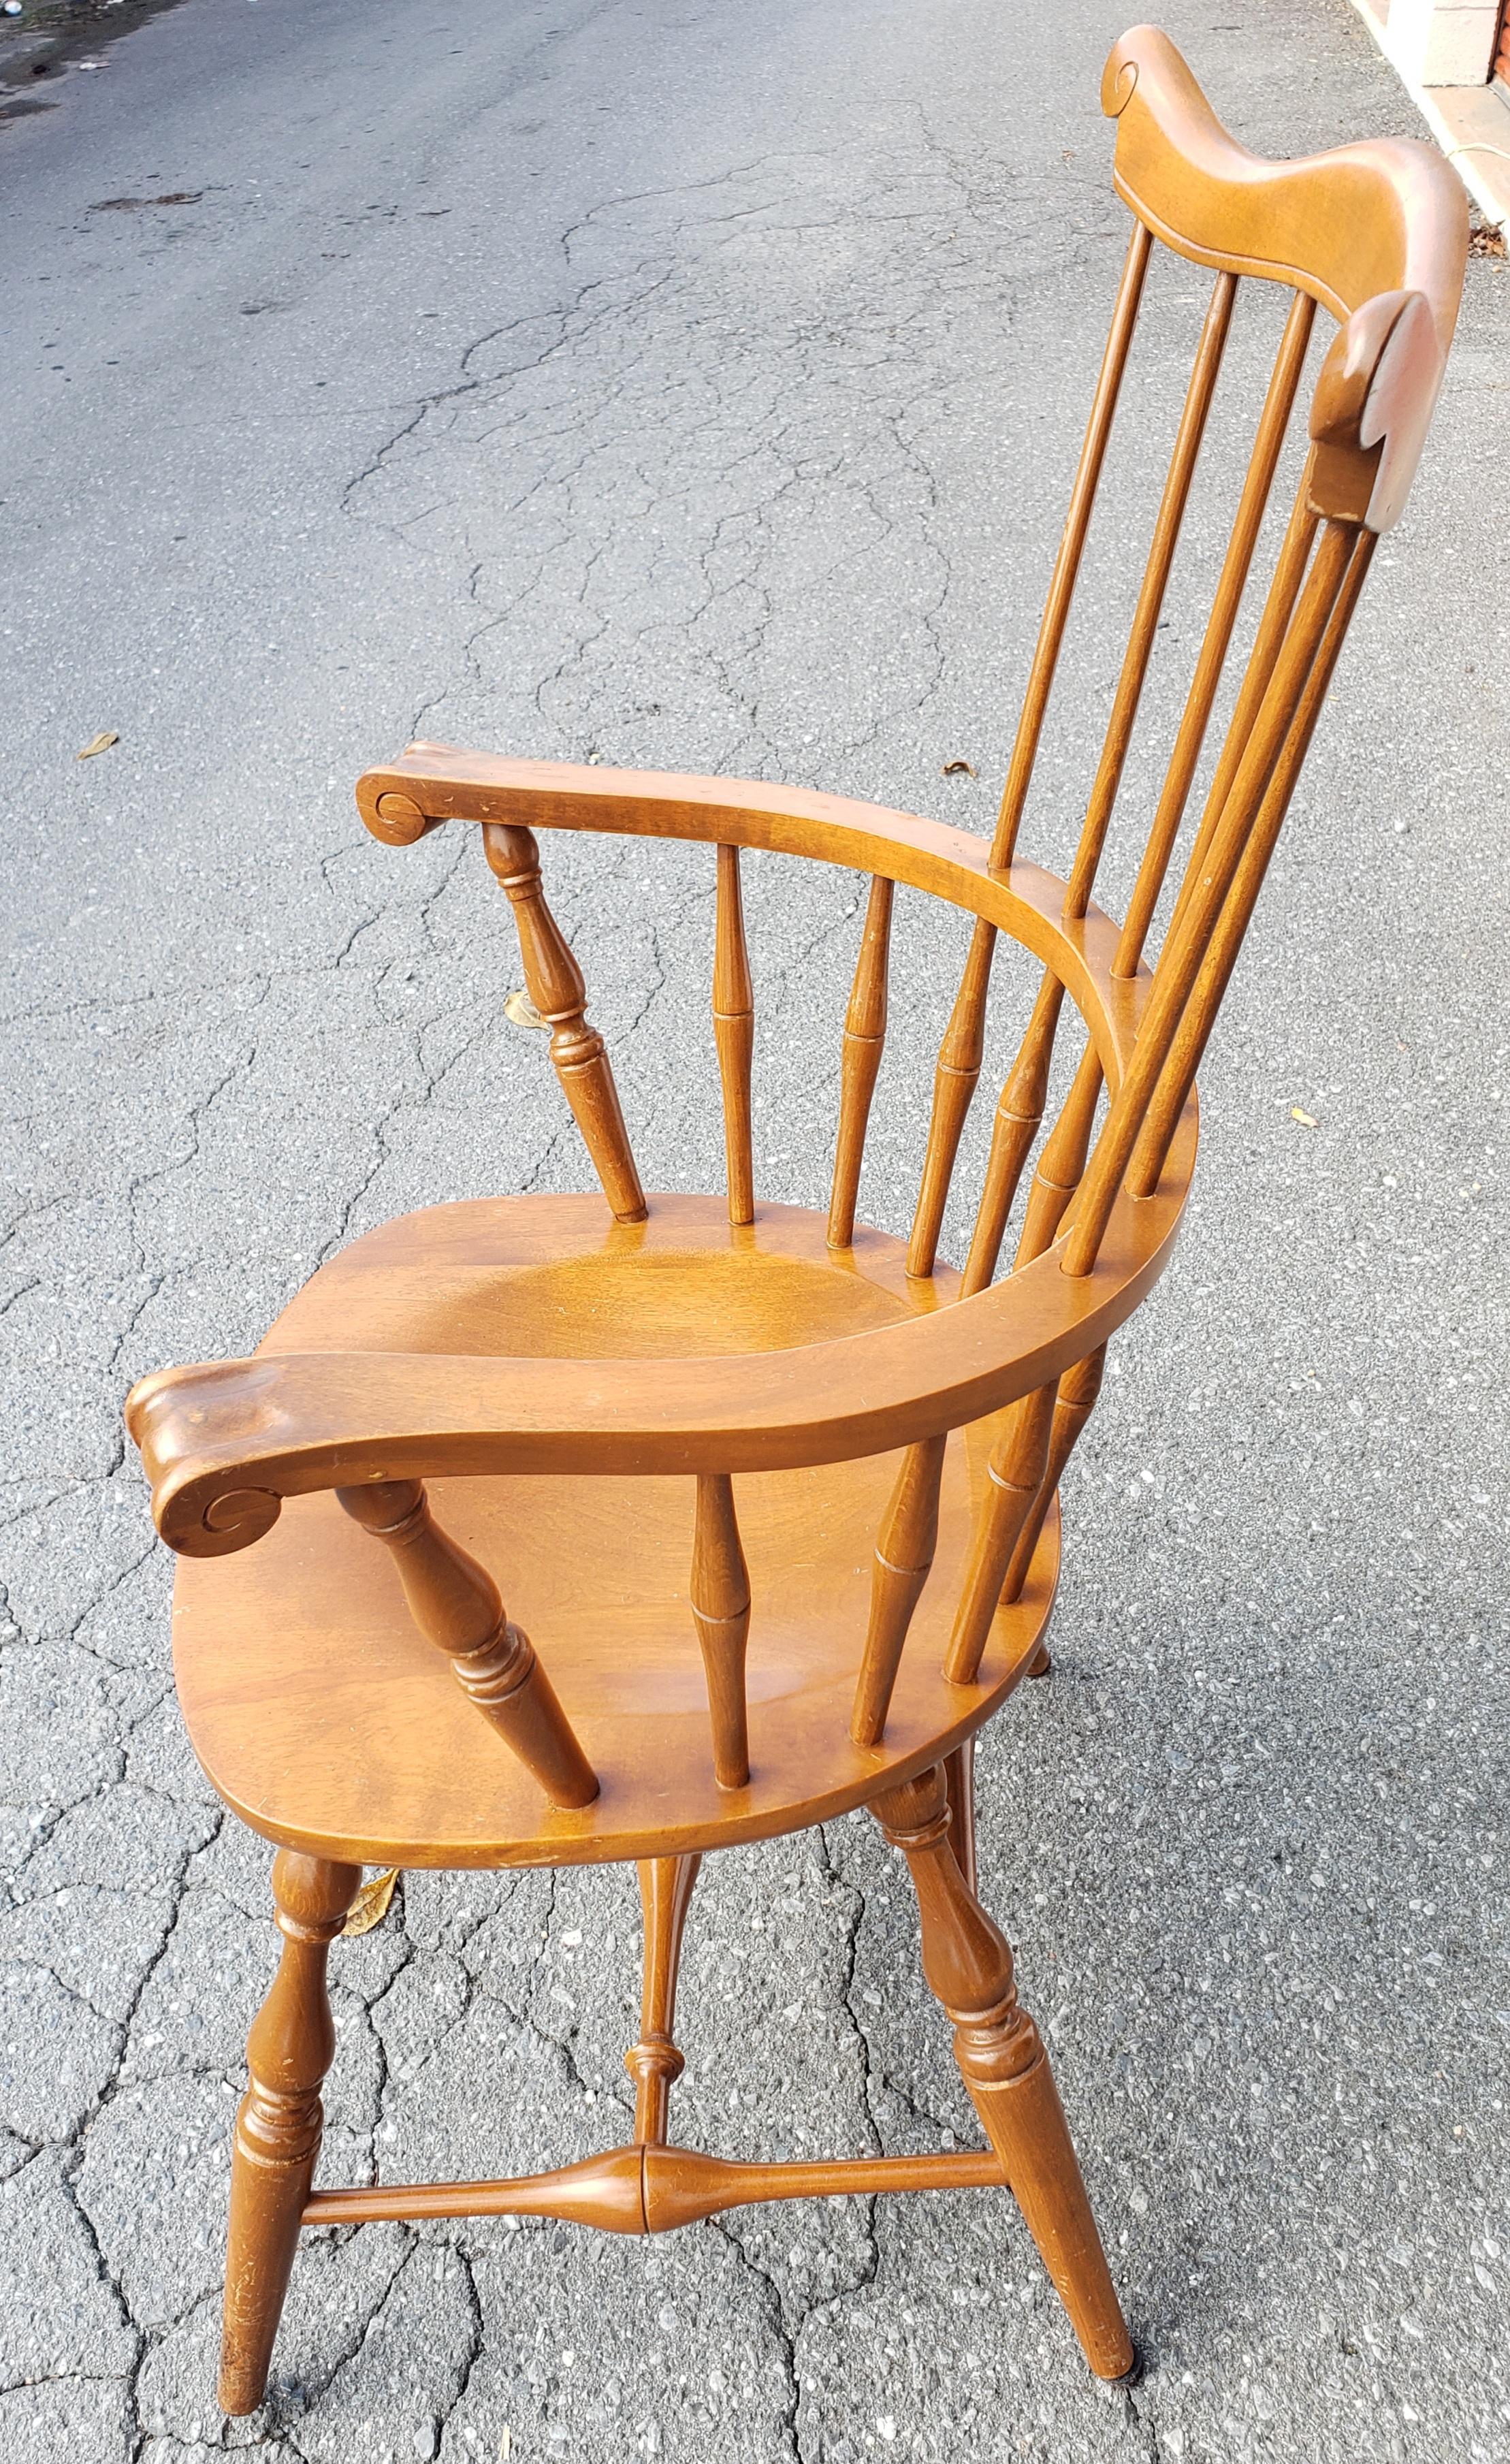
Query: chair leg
(279,2128)
(968,1964)
(959,1780)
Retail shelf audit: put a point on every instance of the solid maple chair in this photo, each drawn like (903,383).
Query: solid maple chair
(728,1457)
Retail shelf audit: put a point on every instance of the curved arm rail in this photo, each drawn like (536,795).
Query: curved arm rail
(222,1444)
(431,783)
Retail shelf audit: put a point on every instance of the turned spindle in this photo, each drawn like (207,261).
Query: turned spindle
(1014,1476)
(733,1033)
(720,1596)
(657,2061)
(904,1554)
(556,987)
(1018,1115)
(864,1040)
(455,1604)
(954,1082)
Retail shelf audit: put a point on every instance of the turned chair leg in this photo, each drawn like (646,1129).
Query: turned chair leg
(279,2128)
(967,1964)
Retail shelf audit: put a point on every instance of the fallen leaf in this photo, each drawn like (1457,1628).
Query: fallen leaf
(100,743)
(522,1010)
(1306,1119)
(958,769)
(372,1902)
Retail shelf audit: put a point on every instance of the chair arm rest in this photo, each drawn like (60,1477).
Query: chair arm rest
(225,1443)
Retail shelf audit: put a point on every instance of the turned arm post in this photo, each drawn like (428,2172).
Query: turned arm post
(556,987)
(456,1606)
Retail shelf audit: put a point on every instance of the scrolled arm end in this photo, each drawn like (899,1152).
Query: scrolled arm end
(391,815)
(180,1420)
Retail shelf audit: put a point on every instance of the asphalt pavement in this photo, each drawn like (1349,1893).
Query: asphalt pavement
(698,386)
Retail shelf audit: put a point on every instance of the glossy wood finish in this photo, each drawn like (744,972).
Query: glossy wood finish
(775,1497)
(1390,217)
(280,2121)
(655,2062)
(955,1084)
(720,1599)
(865,1039)
(967,1964)
(1273,422)
(733,1030)
(456,1605)
(556,987)
(649,2189)
(904,1560)
(1071,549)
(330,1725)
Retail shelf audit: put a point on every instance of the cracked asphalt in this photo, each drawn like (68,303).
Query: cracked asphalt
(672,385)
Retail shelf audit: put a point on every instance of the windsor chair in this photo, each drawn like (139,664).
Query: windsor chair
(851,1445)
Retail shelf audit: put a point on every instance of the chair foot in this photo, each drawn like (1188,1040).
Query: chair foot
(1041,1664)
(968,1964)
(278,2127)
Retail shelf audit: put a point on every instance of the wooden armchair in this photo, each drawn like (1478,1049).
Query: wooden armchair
(773,1495)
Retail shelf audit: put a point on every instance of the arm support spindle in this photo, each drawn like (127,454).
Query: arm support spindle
(558,993)
(455,1604)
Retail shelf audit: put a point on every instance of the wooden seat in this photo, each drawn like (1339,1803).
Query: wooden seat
(338,1736)
(547,1530)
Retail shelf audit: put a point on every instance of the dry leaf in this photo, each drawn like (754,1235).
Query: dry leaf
(522,1010)
(958,769)
(100,743)
(371,1903)
(1306,1119)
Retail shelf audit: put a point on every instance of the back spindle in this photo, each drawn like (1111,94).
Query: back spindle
(1278,608)
(1021,1109)
(1199,1015)
(1074,1401)
(864,1040)
(1253,503)
(733,1033)
(1151,593)
(954,1082)
(1190,937)
(1071,547)
(1018,1117)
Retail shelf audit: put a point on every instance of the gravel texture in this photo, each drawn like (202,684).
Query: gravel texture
(698,387)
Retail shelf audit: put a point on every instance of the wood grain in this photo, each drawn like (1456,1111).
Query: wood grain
(583,1395)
